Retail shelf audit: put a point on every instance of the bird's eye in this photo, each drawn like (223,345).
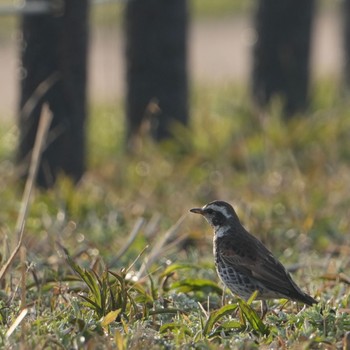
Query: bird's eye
(210,211)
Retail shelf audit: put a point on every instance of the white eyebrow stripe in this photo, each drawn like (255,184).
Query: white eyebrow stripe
(220,209)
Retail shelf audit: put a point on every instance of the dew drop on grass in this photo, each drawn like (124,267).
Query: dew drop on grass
(60,216)
(291,233)
(94,252)
(80,237)
(131,276)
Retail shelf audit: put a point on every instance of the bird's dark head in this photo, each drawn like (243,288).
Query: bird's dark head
(219,214)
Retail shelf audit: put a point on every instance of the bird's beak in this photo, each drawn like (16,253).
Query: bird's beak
(197,211)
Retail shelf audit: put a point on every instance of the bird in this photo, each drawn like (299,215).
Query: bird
(243,263)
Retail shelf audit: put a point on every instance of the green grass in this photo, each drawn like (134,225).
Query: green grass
(288,181)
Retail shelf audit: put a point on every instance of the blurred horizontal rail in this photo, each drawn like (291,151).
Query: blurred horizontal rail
(42,7)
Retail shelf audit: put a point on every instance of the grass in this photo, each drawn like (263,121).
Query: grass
(111,13)
(82,282)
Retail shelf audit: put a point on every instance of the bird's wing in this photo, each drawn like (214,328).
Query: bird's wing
(255,260)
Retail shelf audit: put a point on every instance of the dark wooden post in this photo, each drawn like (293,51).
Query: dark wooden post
(346,21)
(156,63)
(54,65)
(281,53)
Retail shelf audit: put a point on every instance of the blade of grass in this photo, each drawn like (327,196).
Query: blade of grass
(88,277)
(38,93)
(216,315)
(44,124)
(158,250)
(110,317)
(252,317)
(199,284)
(136,229)
(177,266)
(17,322)
(252,297)
(23,256)
(135,260)
(175,326)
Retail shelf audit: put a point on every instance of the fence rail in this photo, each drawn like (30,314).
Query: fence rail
(42,7)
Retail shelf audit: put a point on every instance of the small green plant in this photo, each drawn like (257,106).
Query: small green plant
(289,181)
(247,315)
(110,293)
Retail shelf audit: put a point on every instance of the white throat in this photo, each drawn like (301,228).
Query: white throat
(221,231)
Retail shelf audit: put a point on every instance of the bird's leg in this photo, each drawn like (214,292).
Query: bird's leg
(284,304)
(264,308)
(223,299)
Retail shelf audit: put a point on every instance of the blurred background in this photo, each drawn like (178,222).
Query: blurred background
(160,106)
(220,47)
(109,49)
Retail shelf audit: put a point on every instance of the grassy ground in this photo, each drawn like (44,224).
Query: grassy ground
(79,284)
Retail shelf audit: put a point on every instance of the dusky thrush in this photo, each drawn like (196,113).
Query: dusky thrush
(243,263)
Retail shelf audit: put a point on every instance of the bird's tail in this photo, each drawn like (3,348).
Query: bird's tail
(307,299)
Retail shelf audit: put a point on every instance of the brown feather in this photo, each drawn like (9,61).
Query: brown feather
(243,263)
(249,256)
